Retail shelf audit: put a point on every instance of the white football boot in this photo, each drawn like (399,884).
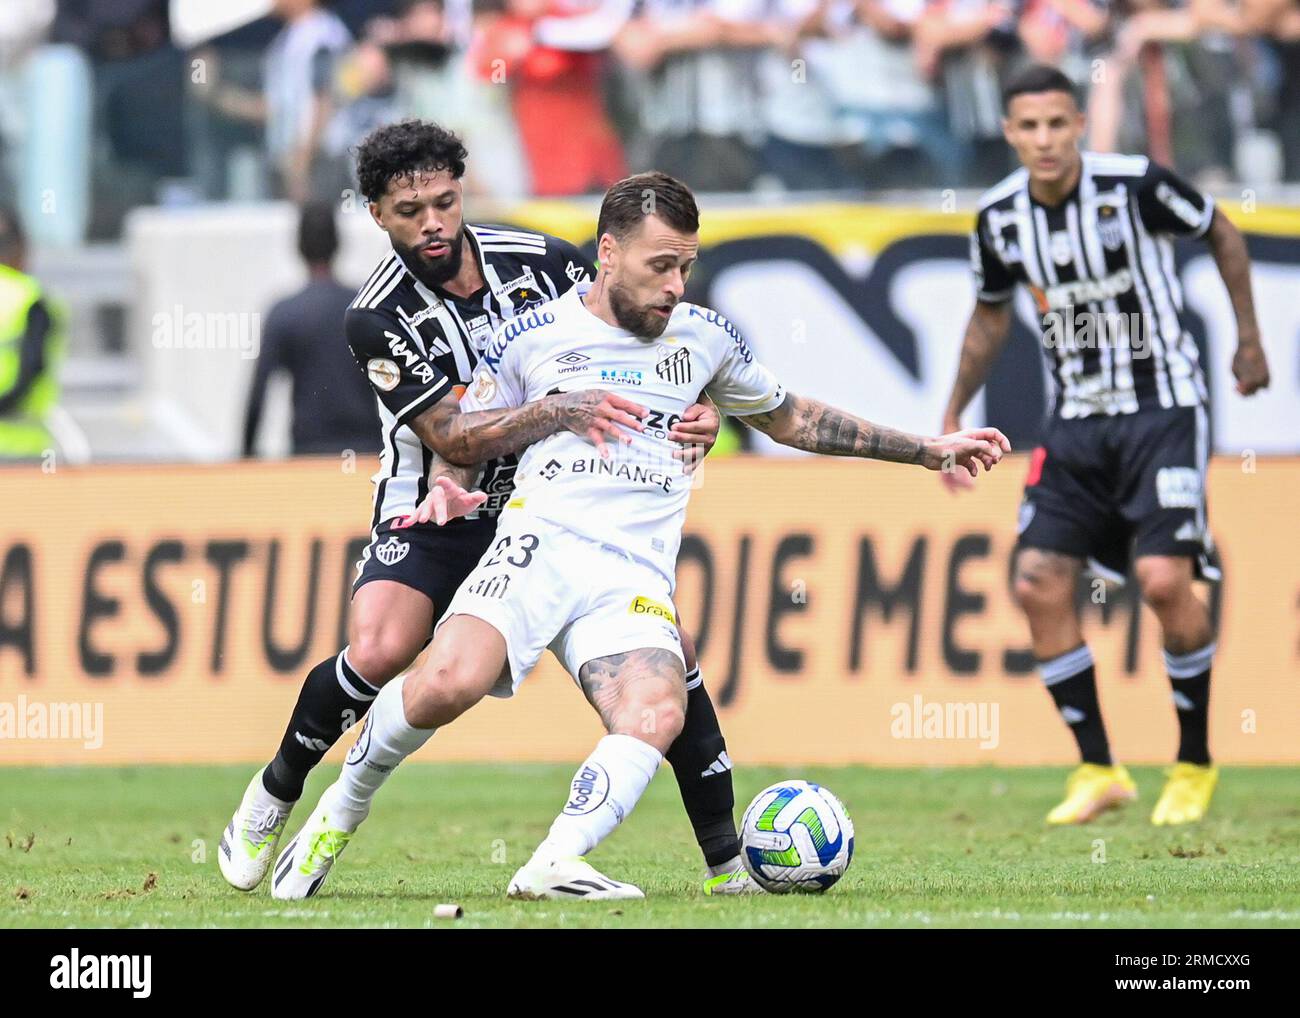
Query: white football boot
(248,843)
(733,879)
(544,877)
(306,860)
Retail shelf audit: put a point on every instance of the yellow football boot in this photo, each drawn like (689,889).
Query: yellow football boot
(1090,790)
(1187,794)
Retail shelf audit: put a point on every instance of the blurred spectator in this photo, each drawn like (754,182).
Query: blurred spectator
(890,104)
(333,407)
(31,346)
(551,53)
(965,45)
(23,26)
(806,145)
(698,87)
(297,101)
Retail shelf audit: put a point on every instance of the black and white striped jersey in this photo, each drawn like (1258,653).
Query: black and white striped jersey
(417,345)
(1100,267)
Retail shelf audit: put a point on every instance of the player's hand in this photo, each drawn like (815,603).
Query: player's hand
(965,451)
(598,416)
(696,432)
(1250,366)
(956,481)
(446,501)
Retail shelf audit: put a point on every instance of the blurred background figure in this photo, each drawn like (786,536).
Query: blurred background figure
(333,408)
(296,102)
(31,344)
(552,55)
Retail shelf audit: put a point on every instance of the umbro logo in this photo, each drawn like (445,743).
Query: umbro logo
(572,357)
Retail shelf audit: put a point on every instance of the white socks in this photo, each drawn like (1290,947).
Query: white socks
(384,743)
(605,789)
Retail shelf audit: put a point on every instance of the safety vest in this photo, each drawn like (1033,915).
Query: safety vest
(23,434)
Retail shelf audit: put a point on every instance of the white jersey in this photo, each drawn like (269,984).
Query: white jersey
(635,500)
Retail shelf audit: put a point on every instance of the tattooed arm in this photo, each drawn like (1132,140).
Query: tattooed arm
(469,439)
(986,334)
(808,424)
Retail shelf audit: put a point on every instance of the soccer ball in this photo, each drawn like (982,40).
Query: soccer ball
(796,836)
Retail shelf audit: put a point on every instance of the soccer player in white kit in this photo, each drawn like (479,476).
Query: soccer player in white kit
(584,555)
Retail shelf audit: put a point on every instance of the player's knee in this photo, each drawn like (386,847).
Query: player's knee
(446,687)
(379,652)
(1037,595)
(1163,585)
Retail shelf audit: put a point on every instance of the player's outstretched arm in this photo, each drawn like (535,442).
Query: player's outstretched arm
(986,335)
(1249,365)
(809,424)
(469,439)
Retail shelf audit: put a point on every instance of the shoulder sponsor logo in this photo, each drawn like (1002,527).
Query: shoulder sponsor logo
(392,551)
(383,373)
(1178,488)
(424,314)
(402,351)
(649,606)
(675,366)
(1178,205)
(713,318)
(524,279)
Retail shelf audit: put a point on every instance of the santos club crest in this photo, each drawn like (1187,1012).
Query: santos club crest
(675,366)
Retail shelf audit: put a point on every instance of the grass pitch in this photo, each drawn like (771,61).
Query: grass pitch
(959,847)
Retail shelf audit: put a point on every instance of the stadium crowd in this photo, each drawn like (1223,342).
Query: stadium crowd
(112,103)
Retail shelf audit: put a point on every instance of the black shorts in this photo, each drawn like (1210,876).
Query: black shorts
(426,557)
(1103,489)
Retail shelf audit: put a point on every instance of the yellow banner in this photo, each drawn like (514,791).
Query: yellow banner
(846,612)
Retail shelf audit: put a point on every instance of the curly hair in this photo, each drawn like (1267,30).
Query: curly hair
(399,151)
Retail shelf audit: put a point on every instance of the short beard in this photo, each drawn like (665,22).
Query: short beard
(441,271)
(645,324)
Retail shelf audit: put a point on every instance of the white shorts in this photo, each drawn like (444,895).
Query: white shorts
(540,585)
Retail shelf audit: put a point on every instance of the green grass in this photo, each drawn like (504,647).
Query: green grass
(958,847)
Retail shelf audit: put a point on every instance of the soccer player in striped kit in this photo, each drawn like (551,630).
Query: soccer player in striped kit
(1120,475)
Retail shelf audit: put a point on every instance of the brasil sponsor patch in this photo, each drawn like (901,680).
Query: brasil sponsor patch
(649,606)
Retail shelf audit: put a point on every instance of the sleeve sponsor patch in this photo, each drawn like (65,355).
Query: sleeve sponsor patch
(383,373)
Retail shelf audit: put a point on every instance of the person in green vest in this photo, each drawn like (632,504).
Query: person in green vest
(31,344)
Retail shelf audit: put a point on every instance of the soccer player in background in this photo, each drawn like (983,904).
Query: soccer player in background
(1120,476)
(584,555)
(417,328)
